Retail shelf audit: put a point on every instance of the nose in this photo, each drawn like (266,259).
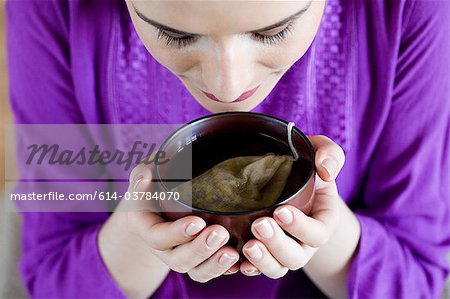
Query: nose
(228,72)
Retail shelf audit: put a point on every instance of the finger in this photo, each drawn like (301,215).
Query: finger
(287,251)
(314,230)
(234,269)
(330,157)
(187,256)
(161,235)
(249,269)
(216,265)
(325,188)
(142,171)
(260,257)
(140,182)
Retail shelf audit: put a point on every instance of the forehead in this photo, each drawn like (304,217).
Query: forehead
(211,17)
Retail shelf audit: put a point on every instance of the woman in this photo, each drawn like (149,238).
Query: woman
(373,76)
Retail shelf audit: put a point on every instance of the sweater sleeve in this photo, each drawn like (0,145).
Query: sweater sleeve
(60,256)
(405,219)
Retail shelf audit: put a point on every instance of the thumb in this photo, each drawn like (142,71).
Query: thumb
(141,176)
(330,157)
(325,188)
(140,188)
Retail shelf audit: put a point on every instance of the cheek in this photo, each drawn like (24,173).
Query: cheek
(282,57)
(177,63)
(298,42)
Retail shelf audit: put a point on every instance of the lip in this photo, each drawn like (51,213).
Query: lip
(241,98)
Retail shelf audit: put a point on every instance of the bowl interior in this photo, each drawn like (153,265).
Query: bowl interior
(205,142)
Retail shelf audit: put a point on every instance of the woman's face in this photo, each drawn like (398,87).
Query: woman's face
(229,54)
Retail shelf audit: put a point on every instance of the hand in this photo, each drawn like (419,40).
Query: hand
(273,252)
(138,246)
(185,245)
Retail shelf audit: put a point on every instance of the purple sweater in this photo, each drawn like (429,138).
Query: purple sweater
(376,80)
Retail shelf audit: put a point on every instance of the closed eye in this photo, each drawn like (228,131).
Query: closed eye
(172,40)
(178,41)
(270,39)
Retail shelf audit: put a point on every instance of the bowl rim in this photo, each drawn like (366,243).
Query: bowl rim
(310,176)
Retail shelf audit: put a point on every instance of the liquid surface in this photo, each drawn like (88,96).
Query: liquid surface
(208,151)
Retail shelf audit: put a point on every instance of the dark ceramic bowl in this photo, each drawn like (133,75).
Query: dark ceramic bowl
(207,141)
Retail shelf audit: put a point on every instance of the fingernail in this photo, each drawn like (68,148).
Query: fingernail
(264,228)
(251,271)
(284,215)
(330,166)
(227,259)
(214,239)
(232,272)
(193,229)
(254,252)
(137,181)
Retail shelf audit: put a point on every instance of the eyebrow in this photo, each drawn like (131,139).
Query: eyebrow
(270,27)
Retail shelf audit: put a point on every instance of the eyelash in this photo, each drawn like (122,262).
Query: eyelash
(180,42)
(273,39)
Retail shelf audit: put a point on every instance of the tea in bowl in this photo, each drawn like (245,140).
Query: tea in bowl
(214,160)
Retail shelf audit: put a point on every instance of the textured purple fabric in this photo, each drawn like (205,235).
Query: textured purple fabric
(375,80)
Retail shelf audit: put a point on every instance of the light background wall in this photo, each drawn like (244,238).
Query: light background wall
(10,283)
(5,113)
